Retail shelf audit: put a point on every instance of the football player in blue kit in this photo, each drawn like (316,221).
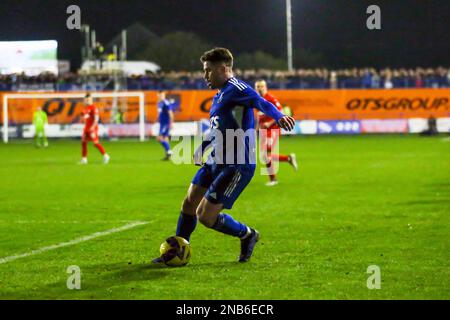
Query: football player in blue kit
(165,119)
(230,166)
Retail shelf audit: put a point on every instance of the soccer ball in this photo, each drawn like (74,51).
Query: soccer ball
(175,251)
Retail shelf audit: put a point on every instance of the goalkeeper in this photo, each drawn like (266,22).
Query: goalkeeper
(39,122)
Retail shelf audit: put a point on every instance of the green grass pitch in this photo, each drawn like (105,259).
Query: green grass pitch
(356,201)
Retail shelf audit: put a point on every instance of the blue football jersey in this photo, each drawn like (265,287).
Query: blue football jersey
(163,111)
(232,124)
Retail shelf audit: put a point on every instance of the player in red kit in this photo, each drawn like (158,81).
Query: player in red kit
(269,140)
(90,131)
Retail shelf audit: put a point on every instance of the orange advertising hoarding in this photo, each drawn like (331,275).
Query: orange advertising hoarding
(68,110)
(367,104)
(306,104)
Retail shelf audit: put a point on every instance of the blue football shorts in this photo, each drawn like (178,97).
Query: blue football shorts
(164,130)
(224,183)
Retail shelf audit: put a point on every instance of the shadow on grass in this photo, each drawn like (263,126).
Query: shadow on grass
(218,265)
(98,281)
(425,202)
(439,187)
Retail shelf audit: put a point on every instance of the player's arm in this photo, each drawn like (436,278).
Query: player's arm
(258,124)
(45,120)
(270,123)
(171,118)
(253,99)
(201,150)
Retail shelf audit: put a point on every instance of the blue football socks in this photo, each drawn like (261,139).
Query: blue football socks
(186,225)
(226,224)
(166,145)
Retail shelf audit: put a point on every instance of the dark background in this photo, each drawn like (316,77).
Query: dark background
(414,32)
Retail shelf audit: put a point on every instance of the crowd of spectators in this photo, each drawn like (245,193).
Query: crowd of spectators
(365,78)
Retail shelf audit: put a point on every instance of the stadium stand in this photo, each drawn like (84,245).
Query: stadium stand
(365,78)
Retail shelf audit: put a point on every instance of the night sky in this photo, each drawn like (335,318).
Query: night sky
(414,32)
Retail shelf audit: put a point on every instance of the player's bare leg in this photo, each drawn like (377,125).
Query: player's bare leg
(194,196)
(209,214)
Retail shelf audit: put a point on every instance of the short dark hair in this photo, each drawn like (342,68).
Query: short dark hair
(218,55)
(88,95)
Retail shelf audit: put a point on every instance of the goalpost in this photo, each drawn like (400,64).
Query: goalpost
(114,95)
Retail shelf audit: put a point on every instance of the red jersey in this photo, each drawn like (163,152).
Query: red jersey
(262,118)
(89,114)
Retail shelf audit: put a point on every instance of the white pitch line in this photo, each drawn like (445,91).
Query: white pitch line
(64,222)
(72,242)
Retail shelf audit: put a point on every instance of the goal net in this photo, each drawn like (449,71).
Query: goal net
(122,114)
